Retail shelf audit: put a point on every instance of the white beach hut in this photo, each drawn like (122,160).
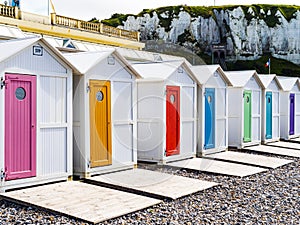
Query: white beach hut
(104,116)
(289,107)
(270,108)
(244,108)
(36,114)
(212,109)
(166,111)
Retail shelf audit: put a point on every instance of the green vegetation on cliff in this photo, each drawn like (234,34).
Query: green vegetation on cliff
(166,14)
(278,66)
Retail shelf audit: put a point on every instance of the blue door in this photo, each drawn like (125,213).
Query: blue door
(209,118)
(268,115)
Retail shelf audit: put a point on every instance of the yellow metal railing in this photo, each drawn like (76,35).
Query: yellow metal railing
(13,12)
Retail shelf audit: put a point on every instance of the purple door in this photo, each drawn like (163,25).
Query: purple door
(20,126)
(292,114)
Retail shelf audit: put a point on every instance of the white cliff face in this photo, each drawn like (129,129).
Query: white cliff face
(244,38)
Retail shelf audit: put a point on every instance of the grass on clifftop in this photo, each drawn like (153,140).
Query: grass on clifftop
(278,66)
(288,11)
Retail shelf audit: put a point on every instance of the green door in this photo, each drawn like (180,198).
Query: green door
(247,116)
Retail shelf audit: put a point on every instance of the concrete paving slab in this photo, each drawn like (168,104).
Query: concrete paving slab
(218,167)
(285,144)
(249,159)
(274,150)
(152,183)
(88,202)
(296,139)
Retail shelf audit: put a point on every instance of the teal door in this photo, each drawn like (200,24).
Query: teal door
(209,118)
(247,115)
(269,115)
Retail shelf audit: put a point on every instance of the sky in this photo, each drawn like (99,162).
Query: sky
(103,9)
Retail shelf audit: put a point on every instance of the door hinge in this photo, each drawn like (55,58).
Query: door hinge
(2,83)
(87,88)
(89,164)
(2,175)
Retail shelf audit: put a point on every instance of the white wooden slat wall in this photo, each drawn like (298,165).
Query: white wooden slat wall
(123,121)
(187,119)
(256,115)
(221,118)
(276,115)
(53,125)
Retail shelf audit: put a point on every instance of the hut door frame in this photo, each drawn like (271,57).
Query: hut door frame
(210,118)
(247,115)
(269,115)
(173,120)
(292,114)
(20,126)
(100,123)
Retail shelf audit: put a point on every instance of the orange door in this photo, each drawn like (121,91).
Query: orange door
(100,123)
(173,121)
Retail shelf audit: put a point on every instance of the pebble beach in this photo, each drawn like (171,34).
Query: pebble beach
(272,197)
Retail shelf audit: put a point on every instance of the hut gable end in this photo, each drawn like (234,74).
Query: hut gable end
(181,76)
(111,69)
(35,57)
(216,80)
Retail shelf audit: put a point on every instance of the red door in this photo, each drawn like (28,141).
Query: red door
(20,126)
(173,120)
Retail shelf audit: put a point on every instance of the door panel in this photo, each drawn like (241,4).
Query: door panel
(173,121)
(269,115)
(209,118)
(100,123)
(247,115)
(292,114)
(20,126)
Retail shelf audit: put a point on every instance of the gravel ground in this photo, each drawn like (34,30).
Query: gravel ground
(267,198)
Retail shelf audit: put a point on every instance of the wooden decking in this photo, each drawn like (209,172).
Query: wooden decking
(87,202)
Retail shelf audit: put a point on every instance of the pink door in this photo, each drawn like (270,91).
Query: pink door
(20,126)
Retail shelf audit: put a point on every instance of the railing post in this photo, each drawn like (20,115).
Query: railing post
(53,18)
(138,36)
(120,33)
(101,28)
(78,24)
(17,14)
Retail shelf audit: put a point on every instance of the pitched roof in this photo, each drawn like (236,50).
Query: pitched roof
(240,78)
(158,70)
(266,80)
(204,72)
(10,48)
(85,61)
(287,83)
